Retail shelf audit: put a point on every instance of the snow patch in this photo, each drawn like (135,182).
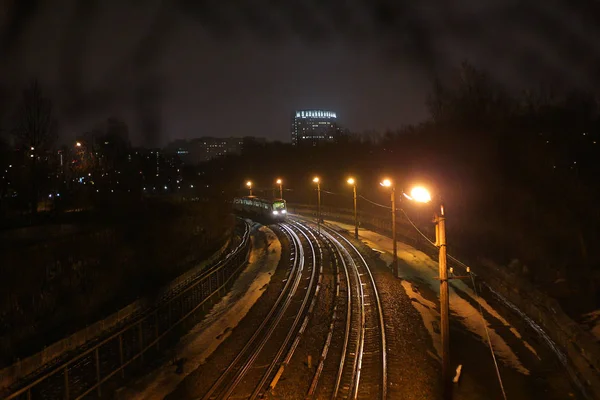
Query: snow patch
(415,265)
(204,338)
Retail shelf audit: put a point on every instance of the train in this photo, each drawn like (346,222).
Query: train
(261,210)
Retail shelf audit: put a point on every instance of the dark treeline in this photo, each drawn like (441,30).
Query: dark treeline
(89,226)
(518,174)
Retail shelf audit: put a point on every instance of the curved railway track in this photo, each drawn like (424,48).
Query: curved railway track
(357,331)
(255,368)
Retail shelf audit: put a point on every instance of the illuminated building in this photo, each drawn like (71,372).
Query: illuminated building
(311,127)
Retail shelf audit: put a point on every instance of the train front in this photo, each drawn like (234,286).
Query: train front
(279,209)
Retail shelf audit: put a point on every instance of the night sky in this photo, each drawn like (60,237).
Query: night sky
(181,69)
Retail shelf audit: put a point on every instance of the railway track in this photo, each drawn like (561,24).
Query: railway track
(357,332)
(261,362)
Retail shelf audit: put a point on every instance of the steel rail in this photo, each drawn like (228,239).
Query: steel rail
(379,311)
(292,279)
(336,298)
(356,362)
(299,314)
(332,233)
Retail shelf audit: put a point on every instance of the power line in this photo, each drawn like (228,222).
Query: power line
(487,333)
(417,229)
(372,202)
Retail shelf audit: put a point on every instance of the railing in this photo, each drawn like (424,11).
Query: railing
(94,367)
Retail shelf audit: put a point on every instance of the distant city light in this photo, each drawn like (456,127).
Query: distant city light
(57,194)
(78,144)
(192,186)
(165,188)
(32,148)
(50,195)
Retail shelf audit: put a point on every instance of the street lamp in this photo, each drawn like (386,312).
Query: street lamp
(280,183)
(422,195)
(352,182)
(249,184)
(318,182)
(388,183)
(77,144)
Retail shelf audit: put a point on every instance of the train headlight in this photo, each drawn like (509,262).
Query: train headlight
(275,212)
(283,211)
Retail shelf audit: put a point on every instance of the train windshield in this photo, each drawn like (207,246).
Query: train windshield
(279,205)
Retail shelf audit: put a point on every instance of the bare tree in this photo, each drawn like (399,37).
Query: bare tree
(35,130)
(35,124)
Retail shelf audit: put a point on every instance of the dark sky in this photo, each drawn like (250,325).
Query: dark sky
(180,69)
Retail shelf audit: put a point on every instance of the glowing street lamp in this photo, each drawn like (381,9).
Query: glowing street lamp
(352,182)
(318,182)
(422,195)
(280,183)
(249,185)
(77,144)
(388,183)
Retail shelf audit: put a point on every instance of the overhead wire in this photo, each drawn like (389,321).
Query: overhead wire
(372,202)
(487,333)
(417,229)
(478,302)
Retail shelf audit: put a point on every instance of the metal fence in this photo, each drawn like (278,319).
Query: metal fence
(108,359)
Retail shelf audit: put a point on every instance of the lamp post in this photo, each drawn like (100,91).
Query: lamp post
(388,183)
(422,195)
(249,184)
(318,182)
(352,182)
(280,183)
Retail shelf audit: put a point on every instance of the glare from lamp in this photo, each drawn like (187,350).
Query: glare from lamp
(420,194)
(351,181)
(386,183)
(316,179)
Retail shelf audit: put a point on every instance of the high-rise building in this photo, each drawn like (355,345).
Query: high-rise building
(312,127)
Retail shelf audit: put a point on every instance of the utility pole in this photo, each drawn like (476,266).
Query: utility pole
(355,215)
(319,206)
(444,302)
(280,183)
(388,183)
(395,246)
(352,182)
(318,182)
